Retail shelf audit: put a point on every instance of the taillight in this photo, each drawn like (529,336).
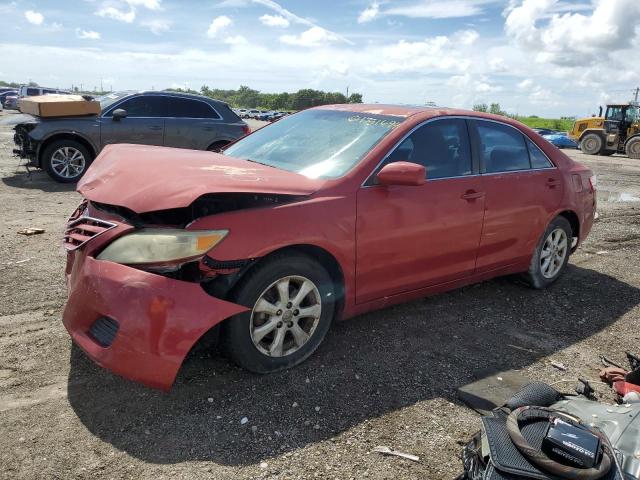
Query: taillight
(593,181)
(246,129)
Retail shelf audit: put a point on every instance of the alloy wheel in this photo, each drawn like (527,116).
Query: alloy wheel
(554,252)
(285,316)
(68,162)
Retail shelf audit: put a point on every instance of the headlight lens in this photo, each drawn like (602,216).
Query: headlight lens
(161,246)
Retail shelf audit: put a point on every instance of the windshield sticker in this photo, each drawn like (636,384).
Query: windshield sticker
(382,122)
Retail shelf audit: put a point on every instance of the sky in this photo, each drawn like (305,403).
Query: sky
(539,57)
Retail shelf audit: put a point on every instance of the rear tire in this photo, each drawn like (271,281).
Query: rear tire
(633,148)
(551,255)
(591,144)
(294,326)
(66,161)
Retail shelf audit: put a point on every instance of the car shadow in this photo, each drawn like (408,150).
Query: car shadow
(366,367)
(36,179)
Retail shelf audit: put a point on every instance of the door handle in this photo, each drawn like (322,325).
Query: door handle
(552,182)
(471,195)
(155,127)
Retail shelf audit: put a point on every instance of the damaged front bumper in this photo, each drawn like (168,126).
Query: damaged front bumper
(26,147)
(134,323)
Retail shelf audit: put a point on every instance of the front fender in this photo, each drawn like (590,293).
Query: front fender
(324,222)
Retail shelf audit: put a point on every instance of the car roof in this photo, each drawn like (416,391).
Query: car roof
(179,94)
(418,111)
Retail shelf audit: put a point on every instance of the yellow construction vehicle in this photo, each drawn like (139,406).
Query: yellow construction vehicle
(617,132)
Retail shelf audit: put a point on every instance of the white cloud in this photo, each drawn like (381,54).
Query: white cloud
(87,34)
(440,8)
(150,4)
(36,18)
(116,14)
(498,65)
(526,84)
(369,13)
(274,21)
(431,54)
(466,37)
(218,24)
(314,37)
(157,26)
(573,39)
(236,40)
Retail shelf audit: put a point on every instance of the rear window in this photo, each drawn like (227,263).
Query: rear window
(187,108)
(33,92)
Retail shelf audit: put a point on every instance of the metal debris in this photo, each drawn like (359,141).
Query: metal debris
(31,231)
(387,451)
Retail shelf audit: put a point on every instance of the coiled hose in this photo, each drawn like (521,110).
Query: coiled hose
(540,459)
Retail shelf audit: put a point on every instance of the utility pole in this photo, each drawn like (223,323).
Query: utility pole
(637,93)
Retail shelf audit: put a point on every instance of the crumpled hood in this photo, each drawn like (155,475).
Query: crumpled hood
(145,178)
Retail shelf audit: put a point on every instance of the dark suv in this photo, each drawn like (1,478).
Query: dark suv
(65,146)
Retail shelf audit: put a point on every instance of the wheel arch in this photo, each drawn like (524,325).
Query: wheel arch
(597,131)
(319,254)
(574,221)
(68,136)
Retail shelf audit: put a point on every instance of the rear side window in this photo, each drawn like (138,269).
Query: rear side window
(144,106)
(502,148)
(538,158)
(186,108)
(441,146)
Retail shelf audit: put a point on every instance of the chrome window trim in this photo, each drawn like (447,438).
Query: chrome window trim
(114,107)
(462,117)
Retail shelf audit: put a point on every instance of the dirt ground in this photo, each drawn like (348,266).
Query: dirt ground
(385,378)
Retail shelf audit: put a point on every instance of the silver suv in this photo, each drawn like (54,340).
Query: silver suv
(65,146)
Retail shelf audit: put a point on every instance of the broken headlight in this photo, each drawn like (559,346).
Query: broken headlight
(149,246)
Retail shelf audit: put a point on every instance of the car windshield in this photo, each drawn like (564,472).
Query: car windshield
(315,143)
(110,98)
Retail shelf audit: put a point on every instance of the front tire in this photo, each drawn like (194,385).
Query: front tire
(291,298)
(66,161)
(551,255)
(633,148)
(591,144)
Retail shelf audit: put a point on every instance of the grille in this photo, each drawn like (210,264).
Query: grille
(83,229)
(104,331)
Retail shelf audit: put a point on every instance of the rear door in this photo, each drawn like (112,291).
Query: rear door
(143,124)
(523,189)
(191,123)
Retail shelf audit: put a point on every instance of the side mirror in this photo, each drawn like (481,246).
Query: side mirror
(118,114)
(402,173)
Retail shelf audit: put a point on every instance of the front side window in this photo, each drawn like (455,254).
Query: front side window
(144,106)
(442,147)
(186,108)
(316,143)
(502,148)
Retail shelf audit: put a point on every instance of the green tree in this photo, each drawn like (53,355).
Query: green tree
(481,107)
(355,98)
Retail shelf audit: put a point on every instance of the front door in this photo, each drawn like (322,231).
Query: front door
(409,237)
(143,124)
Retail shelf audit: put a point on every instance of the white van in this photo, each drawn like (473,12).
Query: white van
(26,91)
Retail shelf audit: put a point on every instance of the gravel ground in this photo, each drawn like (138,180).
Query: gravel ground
(385,378)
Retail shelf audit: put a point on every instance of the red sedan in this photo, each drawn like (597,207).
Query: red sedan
(326,214)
